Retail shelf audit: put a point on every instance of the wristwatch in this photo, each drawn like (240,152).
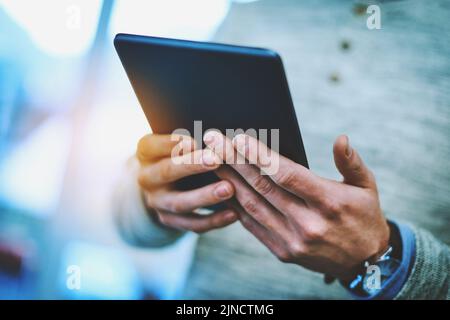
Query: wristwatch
(373,273)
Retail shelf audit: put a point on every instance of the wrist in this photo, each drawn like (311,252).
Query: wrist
(393,244)
(387,240)
(371,255)
(378,270)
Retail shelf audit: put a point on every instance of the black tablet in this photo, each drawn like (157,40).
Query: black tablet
(179,82)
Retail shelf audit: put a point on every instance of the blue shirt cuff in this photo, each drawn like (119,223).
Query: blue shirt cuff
(392,286)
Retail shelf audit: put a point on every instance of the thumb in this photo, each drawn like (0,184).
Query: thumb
(350,164)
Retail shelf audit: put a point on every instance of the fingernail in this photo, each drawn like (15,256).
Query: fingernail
(348,149)
(222,191)
(240,143)
(208,137)
(208,159)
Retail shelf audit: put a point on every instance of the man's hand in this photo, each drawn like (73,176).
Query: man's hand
(323,225)
(160,169)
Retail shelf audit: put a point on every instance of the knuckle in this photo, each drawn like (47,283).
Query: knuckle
(262,185)
(251,206)
(162,218)
(284,256)
(343,208)
(165,171)
(215,221)
(142,179)
(313,233)
(245,220)
(331,206)
(175,206)
(148,200)
(199,228)
(297,249)
(142,145)
(356,166)
(286,178)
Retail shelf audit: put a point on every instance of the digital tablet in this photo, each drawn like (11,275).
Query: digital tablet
(179,83)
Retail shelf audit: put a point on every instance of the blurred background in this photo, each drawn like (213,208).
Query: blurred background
(69,120)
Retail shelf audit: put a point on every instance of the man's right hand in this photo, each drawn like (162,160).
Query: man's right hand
(174,208)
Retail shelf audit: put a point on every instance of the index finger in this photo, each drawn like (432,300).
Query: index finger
(286,173)
(171,169)
(197,222)
(155,146)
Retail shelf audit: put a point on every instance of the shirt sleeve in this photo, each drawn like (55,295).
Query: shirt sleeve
(133,219)
(430,273)
(424,270)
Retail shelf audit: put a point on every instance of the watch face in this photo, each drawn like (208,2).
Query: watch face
(377,274)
